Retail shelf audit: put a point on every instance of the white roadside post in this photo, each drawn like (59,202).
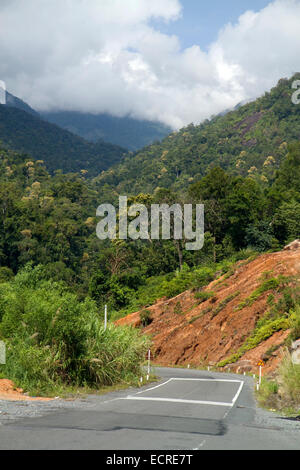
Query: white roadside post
(260,374)
(149,359)
(260,365)
(105,317)
(2,353)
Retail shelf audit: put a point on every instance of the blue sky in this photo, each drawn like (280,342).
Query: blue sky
(202,19)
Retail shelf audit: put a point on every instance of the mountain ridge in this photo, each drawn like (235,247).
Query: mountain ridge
(27,132)
(251,140)
(125,131)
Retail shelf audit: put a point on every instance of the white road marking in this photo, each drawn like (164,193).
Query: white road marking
(110,401)
(200,445)
(192,402)
(153,388)
(179,400)
(237,393)
(205,380)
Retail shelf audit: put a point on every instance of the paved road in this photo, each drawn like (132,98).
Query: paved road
(186,410)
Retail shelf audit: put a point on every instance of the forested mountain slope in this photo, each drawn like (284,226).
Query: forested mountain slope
(251,140)
(127,132)
(25,131)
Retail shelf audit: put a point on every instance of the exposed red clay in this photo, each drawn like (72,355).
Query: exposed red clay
(8,391)
(198,336)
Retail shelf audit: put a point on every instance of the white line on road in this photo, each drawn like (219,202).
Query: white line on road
(200,445)
(179,400)
(206,380)
(237,393)
(153,388)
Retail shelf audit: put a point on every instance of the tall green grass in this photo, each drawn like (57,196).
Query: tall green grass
(54,341)
(290,379)
(283,393)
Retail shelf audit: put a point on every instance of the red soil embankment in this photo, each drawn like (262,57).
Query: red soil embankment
(185,332)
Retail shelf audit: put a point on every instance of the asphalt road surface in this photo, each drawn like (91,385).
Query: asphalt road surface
(185,410)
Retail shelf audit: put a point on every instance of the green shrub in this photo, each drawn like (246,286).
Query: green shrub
(268,394)
(224,302)
(203,276)
(146,318)
(295,324)
(6,274)
(168,286)
(264,329)
(178,309)
(53,339)
(203,296)
(270,284)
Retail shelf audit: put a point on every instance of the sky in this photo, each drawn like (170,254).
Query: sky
(201,20)
(175,61)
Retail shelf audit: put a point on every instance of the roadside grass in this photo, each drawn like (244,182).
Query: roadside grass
(290,377)
(283,393)
(73,393)
(267,396)
(116,362)
(56,344)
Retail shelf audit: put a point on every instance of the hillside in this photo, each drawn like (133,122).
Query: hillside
(126,132)
(235,321)
(26,132)
(14,102)
(240,141)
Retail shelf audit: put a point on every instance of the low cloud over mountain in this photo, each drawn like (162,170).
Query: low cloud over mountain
(108,57)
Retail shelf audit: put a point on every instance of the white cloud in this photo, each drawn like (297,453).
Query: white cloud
(103,56)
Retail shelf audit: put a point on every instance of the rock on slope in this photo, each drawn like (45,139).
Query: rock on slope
(186,332)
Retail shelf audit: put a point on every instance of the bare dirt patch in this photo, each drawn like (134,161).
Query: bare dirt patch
(210,332)
(8,391)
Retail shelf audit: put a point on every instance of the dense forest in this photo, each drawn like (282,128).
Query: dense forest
(51,220)
(244,167)
(25,131)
